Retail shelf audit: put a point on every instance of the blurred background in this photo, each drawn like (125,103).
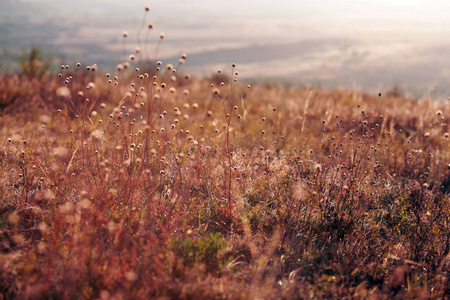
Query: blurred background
(397,46)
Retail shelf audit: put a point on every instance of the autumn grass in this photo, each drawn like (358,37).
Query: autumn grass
(343,195)
(146,183)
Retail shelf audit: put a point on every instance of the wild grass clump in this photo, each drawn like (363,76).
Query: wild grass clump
(146,183)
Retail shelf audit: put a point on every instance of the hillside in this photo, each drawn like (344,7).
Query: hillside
(160,185)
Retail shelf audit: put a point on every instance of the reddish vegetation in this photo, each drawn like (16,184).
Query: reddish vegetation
(182,190)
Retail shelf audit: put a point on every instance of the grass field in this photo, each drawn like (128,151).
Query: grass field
(148,183)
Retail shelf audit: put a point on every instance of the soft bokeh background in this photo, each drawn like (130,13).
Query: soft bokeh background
(370,45)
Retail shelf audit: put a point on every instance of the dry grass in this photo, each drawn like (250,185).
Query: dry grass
(168,187)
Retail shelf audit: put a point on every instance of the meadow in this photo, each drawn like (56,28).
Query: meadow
(144,182)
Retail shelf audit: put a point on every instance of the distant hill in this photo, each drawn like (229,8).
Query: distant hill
(342,49)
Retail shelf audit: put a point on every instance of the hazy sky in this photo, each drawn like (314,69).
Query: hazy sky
(267,20)
(332,11)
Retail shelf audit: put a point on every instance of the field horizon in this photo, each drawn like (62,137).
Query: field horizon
(354,47)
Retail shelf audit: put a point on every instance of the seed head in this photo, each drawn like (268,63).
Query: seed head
(63,92)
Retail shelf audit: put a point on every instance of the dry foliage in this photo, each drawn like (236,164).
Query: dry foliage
(164,186)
